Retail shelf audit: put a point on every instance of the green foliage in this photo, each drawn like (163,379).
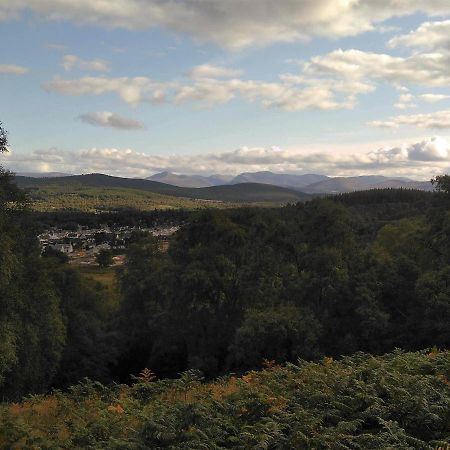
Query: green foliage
(86,313)
(433,296)
(400,400)
(32,333)
(50,252)
(3,139)
(10,196)
(283,333)
(104,258)
(441,183)
(325,277)
(50,321)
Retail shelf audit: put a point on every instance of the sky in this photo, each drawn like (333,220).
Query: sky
(135,87)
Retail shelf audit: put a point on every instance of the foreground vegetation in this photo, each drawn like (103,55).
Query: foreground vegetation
(400,400)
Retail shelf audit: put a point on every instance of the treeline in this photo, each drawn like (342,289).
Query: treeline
(70,220)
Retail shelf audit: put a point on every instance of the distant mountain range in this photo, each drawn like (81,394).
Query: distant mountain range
(193,181)
(246,187)
(275,179)
(309,183)
(279,179)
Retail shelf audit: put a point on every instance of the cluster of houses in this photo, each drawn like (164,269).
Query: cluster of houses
(89,241)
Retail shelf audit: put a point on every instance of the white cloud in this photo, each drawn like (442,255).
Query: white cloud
(131,90)
(429,35)
(427,69)
(111,120)
(433,98)
(421,160)
(437,120)
(232,23)
(405,101)
(327,82)
(290,93)
(210,71)
(70,62)
(427,151)
(436,149)
(13,69)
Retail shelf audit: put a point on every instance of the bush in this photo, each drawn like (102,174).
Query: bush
(399,400)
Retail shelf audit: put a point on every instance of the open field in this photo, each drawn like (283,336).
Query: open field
(107,277)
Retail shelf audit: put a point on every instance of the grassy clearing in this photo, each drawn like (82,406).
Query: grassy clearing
(107,277)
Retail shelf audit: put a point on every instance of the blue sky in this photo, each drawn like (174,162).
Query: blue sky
(132,87)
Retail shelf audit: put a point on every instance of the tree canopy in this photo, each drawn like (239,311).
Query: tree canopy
(3,139)
(442,183)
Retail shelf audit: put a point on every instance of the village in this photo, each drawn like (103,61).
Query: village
(83,245)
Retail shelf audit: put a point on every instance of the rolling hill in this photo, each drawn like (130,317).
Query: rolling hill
(246,192)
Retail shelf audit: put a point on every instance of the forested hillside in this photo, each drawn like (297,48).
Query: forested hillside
(357,272)
(328,277)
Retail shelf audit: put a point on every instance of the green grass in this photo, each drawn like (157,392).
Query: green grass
(107,277)
(104,275)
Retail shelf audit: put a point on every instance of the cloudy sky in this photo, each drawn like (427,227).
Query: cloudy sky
(132,87)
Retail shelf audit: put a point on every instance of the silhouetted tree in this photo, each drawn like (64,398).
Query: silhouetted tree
(104,258)
(441,183)
(3,139)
